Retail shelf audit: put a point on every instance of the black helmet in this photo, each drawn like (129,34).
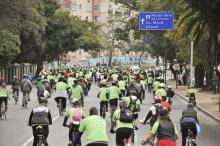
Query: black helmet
(122,105)
(42,99)
(163,112)
(133,92)
(75,102)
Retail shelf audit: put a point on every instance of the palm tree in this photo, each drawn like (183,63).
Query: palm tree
(194,24)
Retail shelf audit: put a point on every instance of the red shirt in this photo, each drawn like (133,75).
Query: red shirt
(166,142)
(166,105)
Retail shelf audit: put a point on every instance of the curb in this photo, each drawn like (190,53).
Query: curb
(201,108)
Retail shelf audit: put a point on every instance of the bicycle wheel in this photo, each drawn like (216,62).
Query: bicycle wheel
(40,142)
(25,101)
(132,137)
(16,97)
(104,111)
(4,114)
(60,106)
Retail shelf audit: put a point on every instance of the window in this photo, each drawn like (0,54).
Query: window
(87,18)
(88,1)
(118,13)
(96,18)
(127,13)
(97,7)
(80,6)
(110,12)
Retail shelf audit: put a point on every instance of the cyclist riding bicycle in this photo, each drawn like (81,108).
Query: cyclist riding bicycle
(103,95)
(123,120)
(95,128)
(150,81)
(133,104)
(74,114)
(76,91)
(114,92)
(40,116)
(139,90)
(164,129)
(189,120)
(4,96)
(192,95)
(122,86)
(61,92)
(155,86)
(154,111)
(15,85)
(26,88)
(161,91)
(170,94)
(165,104)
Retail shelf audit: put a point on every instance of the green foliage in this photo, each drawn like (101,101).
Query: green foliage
(62,32)
(89,41)
(9,46)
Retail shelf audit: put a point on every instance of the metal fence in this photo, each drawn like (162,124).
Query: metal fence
(16,70)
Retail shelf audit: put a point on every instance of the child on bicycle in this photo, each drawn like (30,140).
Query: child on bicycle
(75,114)
(4,95)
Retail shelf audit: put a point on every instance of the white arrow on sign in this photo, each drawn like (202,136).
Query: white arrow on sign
(142,21)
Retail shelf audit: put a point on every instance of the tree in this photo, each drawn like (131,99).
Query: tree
(140,48)
(114,35)
(9,46)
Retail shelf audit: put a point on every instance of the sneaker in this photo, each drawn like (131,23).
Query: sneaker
(135,127)
(29,100)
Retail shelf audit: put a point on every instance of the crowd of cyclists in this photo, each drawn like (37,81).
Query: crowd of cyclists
(121,92)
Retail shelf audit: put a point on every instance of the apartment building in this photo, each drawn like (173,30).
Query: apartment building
(92,10)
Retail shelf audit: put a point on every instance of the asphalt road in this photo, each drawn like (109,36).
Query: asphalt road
(15,132)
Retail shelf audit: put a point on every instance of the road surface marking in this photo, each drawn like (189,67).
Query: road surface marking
(30,139)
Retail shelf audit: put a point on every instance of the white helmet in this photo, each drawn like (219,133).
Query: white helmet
(46,94)
(162,85)
(169,86)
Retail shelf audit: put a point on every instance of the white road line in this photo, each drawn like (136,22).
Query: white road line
(31,138)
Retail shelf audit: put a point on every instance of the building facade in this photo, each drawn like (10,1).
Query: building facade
(97,11)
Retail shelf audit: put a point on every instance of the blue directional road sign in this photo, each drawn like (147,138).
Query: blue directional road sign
(156,20)
(150,40)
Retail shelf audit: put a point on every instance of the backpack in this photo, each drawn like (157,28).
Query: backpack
(132,106)
(76,115)
(25,86)
(126,116)
(154,117)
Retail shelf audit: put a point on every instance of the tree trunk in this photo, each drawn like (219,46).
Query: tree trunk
(140,57)
(110,57)
(199,75)
(157,61)
(39,68)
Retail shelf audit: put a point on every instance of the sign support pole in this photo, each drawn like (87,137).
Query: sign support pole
(191,64)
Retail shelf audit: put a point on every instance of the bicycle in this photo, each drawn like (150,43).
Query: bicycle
(3,112)
(75,131)
(15,95)
(113,109)
(25,99)
(153,142)
(60,106)
(190,141)
(104,109)
(40,135)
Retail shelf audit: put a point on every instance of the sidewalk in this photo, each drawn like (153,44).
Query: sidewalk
(206,100)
